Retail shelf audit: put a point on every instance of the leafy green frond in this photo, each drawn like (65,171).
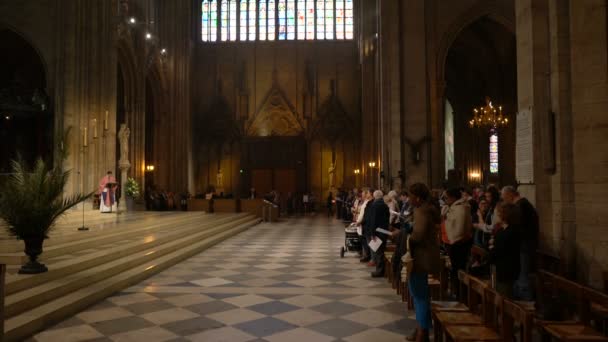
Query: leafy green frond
(32,201)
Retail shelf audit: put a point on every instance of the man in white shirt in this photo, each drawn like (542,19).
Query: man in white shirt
(366,252)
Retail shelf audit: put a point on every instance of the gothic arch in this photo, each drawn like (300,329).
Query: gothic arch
(128,65)
(483,8)
(27,118)
(5,27)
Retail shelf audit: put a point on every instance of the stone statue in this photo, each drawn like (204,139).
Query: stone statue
(123,138)
(332,174)
(220,179)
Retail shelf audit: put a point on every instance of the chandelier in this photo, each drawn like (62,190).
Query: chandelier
(488,115)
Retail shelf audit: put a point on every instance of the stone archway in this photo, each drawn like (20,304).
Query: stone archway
(480,62)
(26,114)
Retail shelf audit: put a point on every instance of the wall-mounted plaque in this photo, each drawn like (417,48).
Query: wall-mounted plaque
(524,151)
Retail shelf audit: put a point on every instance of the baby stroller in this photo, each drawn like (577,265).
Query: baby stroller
(351,240)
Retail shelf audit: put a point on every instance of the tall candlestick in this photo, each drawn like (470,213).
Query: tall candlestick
(105,123)
(94,128)
(84,142)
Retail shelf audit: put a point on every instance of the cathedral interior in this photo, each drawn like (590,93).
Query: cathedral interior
(318,96)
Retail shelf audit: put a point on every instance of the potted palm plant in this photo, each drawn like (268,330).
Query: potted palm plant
(131,192)
(31,201)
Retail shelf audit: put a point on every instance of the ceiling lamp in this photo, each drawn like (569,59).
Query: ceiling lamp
(488,116)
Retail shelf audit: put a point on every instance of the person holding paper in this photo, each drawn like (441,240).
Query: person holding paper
(380,216)
(424,249)
(366,252)
(458,229)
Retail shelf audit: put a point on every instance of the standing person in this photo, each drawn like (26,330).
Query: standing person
(424,249)
(107,193)
(330,204)
(458,230)
(365,198)
(504,249)
(393,205)
(380,216)
(491,220)
(530,227)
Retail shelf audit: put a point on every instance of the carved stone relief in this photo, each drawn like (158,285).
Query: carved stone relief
(275,117)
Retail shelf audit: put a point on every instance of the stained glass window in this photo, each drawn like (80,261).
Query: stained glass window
(320,19)
(291,19)
(310,19)
(348,19)
(251,20)
(205,22)
(282,9)
(271,20)
(213,22)
(301,19)
(262,20)
(339,19)
(329,19)
(233,22)
(224,19)
(493,151)
(243,19)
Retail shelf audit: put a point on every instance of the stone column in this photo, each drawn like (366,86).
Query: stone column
(124,166)
(533,67)
(414,90)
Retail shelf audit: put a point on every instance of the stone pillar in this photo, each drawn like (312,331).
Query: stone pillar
(533,67)
(124,169)
(85,86)
(414,90)
(589,75)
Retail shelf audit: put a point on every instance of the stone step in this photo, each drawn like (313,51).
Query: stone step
(65,232)
(33,297)
(32,321)
(86,240)
(17,282)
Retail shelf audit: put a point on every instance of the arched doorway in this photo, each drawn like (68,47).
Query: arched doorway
(26,121)
(480,62)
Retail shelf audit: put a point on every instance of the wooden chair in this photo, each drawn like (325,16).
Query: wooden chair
(388,262)
(471,314)
(515,313)
(578,328)
(490,310)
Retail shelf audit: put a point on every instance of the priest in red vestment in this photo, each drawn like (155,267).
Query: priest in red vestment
(107,193)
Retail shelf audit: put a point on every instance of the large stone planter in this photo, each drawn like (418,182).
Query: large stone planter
(33,249)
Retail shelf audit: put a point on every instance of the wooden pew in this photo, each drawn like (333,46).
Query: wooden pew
(513,313)
(574,314)
(480,323)
(444,316)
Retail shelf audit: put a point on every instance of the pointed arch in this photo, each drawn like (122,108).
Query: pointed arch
(276,117)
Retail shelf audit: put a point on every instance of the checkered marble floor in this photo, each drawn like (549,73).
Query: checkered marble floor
(275,282)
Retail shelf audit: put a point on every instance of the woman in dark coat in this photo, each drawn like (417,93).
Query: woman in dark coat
(504,249)
(424,249)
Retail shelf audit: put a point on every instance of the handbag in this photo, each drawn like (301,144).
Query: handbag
(407,261)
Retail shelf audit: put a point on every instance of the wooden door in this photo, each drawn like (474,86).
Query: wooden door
(285,180)
(261,180)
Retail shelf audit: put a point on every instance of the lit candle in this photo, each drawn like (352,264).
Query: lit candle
(94,128)
(105,123)
(84,142)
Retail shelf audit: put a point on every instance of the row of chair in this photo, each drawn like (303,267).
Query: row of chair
(564,310)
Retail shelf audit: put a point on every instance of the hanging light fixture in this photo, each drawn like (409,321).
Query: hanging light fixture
(488,116)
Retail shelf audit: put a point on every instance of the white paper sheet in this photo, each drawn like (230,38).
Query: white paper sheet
(383,231)
(375,244)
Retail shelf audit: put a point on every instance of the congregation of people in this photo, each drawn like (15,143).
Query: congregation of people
(486,232)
